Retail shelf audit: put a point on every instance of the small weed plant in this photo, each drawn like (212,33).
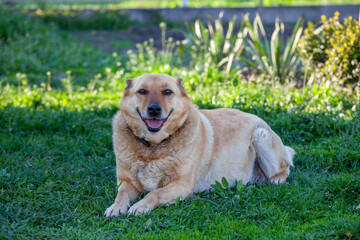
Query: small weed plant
(149,58)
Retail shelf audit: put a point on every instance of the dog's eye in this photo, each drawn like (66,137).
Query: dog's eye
(142,92)
(167,92)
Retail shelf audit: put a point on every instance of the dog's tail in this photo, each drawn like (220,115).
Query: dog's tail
(291,153)
(273,159)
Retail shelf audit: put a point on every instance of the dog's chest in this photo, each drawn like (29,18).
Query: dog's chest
(148,180)
(155,174)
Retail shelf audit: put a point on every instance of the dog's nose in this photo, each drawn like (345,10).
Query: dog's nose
(154,110)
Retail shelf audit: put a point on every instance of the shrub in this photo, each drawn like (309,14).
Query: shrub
(275,58)
(211,47)
(331,50)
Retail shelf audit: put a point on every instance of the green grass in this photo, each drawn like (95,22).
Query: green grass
(57,168)
(58,176)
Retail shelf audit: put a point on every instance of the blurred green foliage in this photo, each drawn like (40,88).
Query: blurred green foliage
(14,24)
(28,45)
(85,19)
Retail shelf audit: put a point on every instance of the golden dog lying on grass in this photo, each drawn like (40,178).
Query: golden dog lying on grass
(165,145)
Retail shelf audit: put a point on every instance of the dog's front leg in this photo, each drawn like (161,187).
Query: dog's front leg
(161,196)
(126,193)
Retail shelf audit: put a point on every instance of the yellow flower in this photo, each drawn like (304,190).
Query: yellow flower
(323,18)
(310,25)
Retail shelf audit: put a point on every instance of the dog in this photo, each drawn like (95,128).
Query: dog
(166,146)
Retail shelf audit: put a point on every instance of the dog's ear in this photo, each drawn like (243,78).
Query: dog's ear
(180,82)
(128,83)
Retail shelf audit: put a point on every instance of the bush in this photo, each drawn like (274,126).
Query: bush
(275,58)
(331,51)
(212,46)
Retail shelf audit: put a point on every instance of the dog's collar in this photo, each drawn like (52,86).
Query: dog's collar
(142,140)
(146,143)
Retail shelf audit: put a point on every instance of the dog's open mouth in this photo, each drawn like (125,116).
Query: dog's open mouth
(154,124)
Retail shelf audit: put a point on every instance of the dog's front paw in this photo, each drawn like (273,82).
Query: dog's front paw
(139,208)
(115,210)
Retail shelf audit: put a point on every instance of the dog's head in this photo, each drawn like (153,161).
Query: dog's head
(154,106)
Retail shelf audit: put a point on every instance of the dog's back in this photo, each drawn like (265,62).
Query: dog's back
(244,148)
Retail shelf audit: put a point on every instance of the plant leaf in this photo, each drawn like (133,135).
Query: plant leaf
(224,182)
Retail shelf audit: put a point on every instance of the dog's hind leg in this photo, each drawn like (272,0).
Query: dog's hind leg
(273,159)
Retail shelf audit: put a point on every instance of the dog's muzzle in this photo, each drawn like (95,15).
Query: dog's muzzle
(154,124)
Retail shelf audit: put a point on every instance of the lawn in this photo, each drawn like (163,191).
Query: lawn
(57,167)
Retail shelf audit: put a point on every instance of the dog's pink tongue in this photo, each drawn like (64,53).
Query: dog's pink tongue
(154,123)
